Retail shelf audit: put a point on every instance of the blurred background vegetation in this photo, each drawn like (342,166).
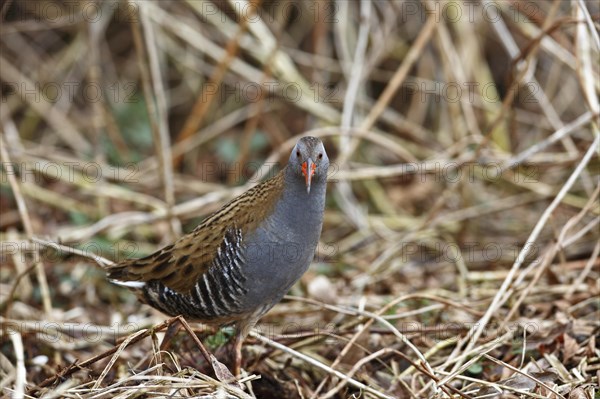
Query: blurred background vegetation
(462,212)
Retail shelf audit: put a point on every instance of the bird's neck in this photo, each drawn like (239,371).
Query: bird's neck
(299,206)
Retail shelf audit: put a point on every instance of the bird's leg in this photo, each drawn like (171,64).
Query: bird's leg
(237,363)
(243,329)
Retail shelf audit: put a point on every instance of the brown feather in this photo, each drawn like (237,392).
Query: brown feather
(180,265)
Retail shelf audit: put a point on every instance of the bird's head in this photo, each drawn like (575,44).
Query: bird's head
(309,160)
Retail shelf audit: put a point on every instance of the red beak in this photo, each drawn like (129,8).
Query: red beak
(308,170)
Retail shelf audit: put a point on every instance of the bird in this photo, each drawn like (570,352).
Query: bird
(243,258)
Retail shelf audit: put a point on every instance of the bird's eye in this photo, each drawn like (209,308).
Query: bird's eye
(321,155)
(298,154)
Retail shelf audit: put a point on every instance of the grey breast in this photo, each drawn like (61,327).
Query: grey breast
(280,250)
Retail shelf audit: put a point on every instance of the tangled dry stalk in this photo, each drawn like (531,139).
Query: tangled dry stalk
(459,256)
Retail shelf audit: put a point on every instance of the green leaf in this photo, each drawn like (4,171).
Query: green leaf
(476,369)
(78,218)
(220,338)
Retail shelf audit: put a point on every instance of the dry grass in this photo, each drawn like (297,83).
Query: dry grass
(459,255)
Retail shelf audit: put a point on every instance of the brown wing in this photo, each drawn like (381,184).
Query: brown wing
(180,265)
